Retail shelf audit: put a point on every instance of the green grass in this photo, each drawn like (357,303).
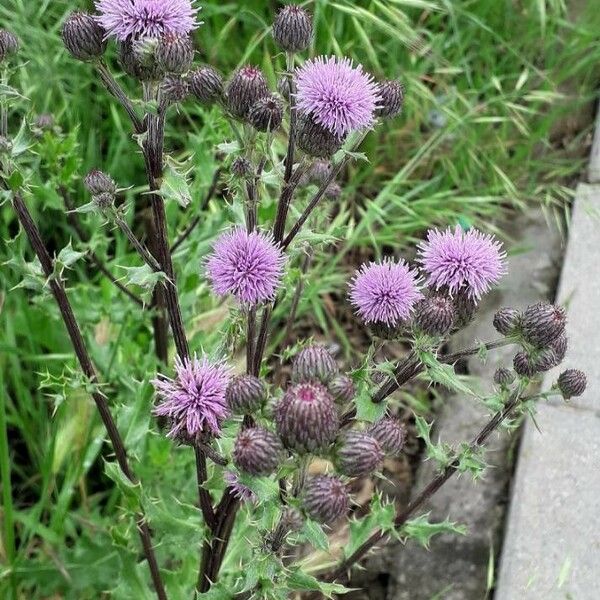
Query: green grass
(487,82)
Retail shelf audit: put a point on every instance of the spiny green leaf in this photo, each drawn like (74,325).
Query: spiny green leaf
(422,531)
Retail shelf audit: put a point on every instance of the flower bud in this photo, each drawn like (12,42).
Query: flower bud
(83,37)
(44,122)
(9,44)
(242,492)
(390,433)
(543,323)
(245,394)
(206,84)
(243,90)
(175,53)
(465,307)
(325,498)
(266,114)
(504,377)
(560,346)
(306,418)
(572,382)
(392,99)
(98,182)
(102,188)
(138,60)
(435,315)
(293,29)
(315,140)
(524,365)
(291,521)
(545,359)
(333,191)
(313,363)
(257,451)
(506,321)
(241,167)
(174,89)
(342,389)
(360,454)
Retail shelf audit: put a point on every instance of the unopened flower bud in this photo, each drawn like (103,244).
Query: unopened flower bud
(306,418)
(245,394)
(360,454)
(243,90)
(465,307)
(390,433)
(342,389)
(504,377)
(392,99)
(206,84)
(137,59)
(506,321)
(291,521)
(9,44)
(174,89)
(333,191)
(293,29)
(102,188)
(257,451)
(83,37)
(316,140)
(241,167)
(175,53)
(266,114)
(325,498)
(524,365)
(572,382)
(98,182)
(435,315)
(545,359)
(44,122)
(314,363)
(543,323)
(560,346)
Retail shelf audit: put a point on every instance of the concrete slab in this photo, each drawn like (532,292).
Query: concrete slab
(579,290)
(552,544)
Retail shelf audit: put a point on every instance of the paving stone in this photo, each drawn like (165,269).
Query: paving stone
(579,290)
(552,545)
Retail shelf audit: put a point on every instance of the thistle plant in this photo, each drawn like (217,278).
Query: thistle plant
(255,432)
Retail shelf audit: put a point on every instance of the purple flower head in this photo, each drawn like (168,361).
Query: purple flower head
(125,19)
(469,260)
(247,265)
(336,94)
(195,399)
(242,492)
(385,292)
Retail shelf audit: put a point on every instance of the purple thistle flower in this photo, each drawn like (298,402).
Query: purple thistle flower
(125,19)
(247,265)
(469,260)
(195,399)
(385,292)
(338,95)
(242,492)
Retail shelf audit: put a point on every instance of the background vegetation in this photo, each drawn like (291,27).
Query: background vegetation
(496,118)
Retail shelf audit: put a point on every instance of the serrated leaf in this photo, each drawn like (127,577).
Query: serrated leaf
(67,257)
(441,453)
(86,208)
(315,535)
(175,184)
(422,531)
(297,580)
(471,461)
(131,491)
(143,276)
(443,374)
